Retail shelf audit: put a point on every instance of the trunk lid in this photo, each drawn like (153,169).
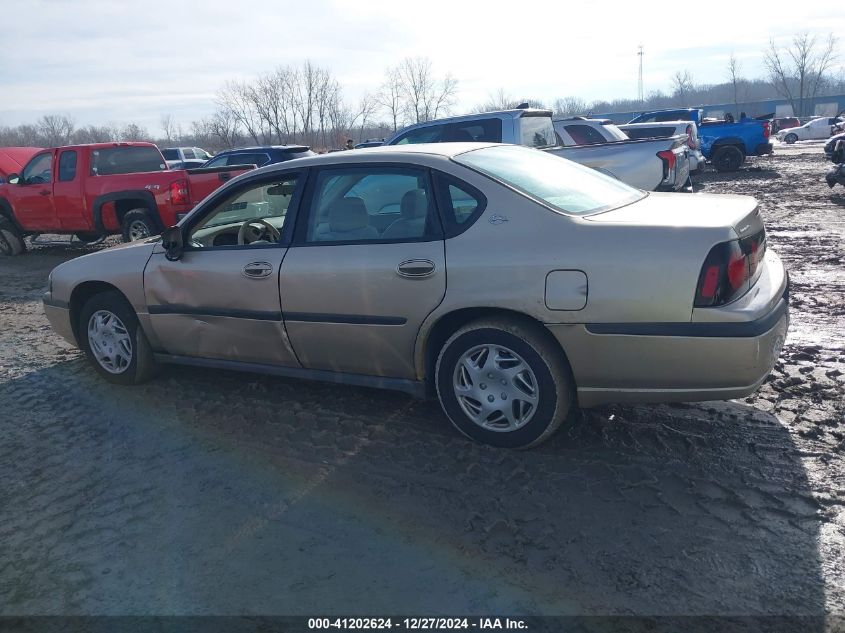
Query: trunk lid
(701,210)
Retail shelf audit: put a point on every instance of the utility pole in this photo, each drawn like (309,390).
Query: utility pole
(640,84)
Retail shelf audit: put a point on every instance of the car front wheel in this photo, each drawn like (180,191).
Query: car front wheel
(791,138)
(504,383)
(113,341)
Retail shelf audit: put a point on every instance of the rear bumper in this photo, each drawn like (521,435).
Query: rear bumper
(718,357)
(696,160)
(763,149)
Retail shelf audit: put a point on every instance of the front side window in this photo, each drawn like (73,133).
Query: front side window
(558,183)
(429,134)
(39,170)
(67,166)
(126,160)
(249,217)
(537,131)
(371,204)
(189,153)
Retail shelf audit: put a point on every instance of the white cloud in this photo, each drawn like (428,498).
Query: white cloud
(113,61)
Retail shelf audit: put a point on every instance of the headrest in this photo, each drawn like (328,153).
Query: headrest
(348,214)
(414,204)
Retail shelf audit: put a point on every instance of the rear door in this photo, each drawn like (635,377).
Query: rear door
(32,197)
(366,268)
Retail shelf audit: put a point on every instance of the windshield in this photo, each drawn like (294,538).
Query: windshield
(554,181)
(537,131)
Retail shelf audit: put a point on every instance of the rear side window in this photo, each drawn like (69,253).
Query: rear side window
(430,134)
(189,153)
(170,154)
(126,160)
(67,166)
(584,134)
(482,131)
(247,159)
(649,132)
(537,131)
(460,202)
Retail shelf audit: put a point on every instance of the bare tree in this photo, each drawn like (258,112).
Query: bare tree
(389,96)
(569,106)
(134,132)
(682,86)
(424,96)
(95,134)
(734,70)
(55,129)
(170,128)
(798,72)
(367,107)
(239,99)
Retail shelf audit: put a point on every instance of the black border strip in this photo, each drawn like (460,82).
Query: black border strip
(55,303)
(255,315)
(695,330)
(411,387)
(352,319)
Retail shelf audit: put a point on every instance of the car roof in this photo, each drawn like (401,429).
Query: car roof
(389,153)
(266,148)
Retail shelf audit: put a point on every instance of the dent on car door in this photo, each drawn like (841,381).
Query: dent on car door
(366,268)
(221,299)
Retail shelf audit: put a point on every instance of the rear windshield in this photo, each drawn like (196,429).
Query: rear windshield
(551,180)
(537,131)
(126,160)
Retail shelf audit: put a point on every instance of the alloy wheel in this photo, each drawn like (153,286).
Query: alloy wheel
(109,341)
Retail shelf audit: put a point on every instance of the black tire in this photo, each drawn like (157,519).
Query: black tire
(537,351)
(11,240)
(138,224)
(142,365)
(790,139)
(728,158)
(88,238)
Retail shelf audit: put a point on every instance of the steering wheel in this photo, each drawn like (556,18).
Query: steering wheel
(256,230)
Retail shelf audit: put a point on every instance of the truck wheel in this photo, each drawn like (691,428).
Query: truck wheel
(503,383)
(791,138)
(11,240)
(113,341)
(138,224)
(89,238)
(728,158)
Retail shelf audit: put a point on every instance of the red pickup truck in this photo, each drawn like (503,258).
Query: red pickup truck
(101,189)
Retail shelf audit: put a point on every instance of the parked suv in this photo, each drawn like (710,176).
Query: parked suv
(260,156)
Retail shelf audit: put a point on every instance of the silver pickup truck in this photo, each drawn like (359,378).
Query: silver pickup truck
(648,164)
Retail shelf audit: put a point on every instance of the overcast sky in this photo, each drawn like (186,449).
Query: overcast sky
(121,61)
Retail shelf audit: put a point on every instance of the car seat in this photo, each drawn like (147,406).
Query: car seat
(413,210)
(348,220)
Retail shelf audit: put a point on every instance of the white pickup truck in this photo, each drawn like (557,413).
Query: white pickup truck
(665,129)
(650,164)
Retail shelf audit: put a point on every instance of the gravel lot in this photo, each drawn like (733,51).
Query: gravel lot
(208,492)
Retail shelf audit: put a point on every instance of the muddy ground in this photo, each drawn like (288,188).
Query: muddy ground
(207,492)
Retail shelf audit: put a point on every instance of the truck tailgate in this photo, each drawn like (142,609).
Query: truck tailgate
(203,181)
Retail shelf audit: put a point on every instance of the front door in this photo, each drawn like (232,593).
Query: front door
(221,299)
(366,268)
(32,197)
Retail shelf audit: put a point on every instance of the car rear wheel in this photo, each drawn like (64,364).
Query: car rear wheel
(113,340)
(138,224)
(790,138)
(502,382)
(728,158)
(11,240)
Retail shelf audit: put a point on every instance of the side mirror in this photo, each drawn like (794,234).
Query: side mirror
(13,179)
(171,240)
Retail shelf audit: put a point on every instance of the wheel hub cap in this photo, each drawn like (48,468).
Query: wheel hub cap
(496,388)
(138,231)
(110,342)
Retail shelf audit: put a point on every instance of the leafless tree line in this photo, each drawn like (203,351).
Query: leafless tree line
(305,103)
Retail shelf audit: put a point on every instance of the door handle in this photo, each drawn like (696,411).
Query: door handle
(258,270)
(224,175)
(44,192)
(414,268)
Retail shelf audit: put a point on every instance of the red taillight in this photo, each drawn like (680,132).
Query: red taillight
(690,139)
(766,129)
(179,192)
(731,268)
(669,156)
